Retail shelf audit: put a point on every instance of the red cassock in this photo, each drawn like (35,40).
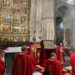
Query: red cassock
(54,66)
(2,67)
(72,61)
(23,65)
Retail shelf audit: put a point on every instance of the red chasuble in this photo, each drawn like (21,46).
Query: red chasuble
(54,66)
(23,65)
(72,61)
(2,67)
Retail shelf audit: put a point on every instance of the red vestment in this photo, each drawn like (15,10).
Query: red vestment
(2,67)
(54,66)
(34,53)
(72,61)
(59,53)
(30,49)
(23,65)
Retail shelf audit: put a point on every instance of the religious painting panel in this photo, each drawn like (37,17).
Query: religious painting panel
(0,5)
(6,18)
(6,28)
(6,14)
(6,38)
(20,38)
(10,38)
(15,38)
(24,24)
(15,11)
(7,4)
(1,1)
(24,1)
(23,20)
(24,29)
(16,22)
(14,19)
(16,1)
(24,9)
(6,21)
(16,30)
(0,20)
(24,38)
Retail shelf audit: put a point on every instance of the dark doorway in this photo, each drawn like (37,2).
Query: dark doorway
(9,59)
(59,29)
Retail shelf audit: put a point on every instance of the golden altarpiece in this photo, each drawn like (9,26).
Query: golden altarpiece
(14,20)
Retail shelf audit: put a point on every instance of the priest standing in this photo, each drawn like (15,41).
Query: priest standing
(23,63)
(2,63)
(53,66)
(72,61)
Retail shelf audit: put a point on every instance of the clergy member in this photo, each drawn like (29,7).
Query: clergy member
(23,63)
(34,53)
(53,66)
(2,63)
(72,61)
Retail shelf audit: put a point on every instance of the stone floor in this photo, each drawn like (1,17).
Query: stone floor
(67,74)
(36,73)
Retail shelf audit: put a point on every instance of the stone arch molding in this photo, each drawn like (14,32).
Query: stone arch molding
(61,11)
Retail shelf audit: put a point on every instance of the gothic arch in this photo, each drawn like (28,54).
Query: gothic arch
(59,26)
(61,11)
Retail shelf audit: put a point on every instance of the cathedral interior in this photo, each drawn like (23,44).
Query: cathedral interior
(36,20)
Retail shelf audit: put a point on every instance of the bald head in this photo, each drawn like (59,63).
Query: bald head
(53,54)
(71,50)
(24,48)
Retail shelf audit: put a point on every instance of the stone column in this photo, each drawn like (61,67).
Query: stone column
(44,20)
(33,20)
